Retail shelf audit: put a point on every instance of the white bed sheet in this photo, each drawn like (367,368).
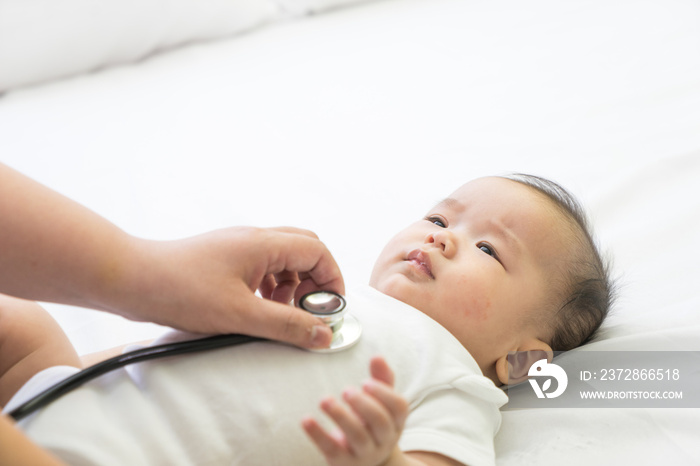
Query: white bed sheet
(355,122)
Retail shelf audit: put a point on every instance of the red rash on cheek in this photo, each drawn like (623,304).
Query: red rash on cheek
(476,301)
(478,308)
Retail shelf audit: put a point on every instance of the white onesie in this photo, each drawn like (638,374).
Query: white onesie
(244,405)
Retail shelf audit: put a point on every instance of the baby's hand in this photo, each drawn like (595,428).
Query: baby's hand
(369,427)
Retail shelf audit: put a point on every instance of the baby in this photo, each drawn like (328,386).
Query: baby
(503,265)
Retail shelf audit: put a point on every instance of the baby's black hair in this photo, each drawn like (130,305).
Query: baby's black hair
(587,290)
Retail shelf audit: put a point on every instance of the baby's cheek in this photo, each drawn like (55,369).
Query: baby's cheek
(478,309)
(476,300)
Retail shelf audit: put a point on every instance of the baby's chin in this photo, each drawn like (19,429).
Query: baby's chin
(396,286)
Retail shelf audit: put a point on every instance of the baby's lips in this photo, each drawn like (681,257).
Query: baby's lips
(423,260)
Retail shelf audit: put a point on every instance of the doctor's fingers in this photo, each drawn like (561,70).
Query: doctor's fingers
(279,287)
(296,231)
(305,255)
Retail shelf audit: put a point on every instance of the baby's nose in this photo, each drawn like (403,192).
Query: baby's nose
(443,239)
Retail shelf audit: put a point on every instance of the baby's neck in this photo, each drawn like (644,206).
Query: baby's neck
(490,372)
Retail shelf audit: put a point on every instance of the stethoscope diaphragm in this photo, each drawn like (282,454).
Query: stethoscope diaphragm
(331,308)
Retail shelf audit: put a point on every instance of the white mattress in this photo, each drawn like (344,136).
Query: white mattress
(354,122)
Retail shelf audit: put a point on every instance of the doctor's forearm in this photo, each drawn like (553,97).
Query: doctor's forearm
(54,249)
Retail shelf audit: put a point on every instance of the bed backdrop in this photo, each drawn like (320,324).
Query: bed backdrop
(173,118)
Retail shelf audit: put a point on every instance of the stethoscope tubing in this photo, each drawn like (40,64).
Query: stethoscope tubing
(335,301)
(143,354)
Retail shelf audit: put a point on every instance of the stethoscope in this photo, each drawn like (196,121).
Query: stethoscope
(327,305)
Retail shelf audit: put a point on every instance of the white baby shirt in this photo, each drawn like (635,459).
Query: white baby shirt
(244,405)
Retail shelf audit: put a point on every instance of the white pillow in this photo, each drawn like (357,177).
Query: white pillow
(41,40)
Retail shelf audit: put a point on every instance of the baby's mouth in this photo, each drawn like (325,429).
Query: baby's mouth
(421,261)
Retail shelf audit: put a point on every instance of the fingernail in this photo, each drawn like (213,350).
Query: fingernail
(319,336)
(307,422)
(370,385)
(349,393)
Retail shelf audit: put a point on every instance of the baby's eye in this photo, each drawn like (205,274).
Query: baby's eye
(437,221)
(488,249)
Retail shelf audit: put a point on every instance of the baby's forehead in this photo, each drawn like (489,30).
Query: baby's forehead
(502,196)
(491,187)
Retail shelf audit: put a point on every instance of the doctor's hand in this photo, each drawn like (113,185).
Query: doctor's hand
(207,283)
(369,425)
(56,250)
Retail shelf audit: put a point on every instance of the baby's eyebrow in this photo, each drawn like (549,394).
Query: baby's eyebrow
(451,203)
(506,235)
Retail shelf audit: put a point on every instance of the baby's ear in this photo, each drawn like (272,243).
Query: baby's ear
(512,368)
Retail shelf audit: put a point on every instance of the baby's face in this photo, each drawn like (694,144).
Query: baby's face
(478,264)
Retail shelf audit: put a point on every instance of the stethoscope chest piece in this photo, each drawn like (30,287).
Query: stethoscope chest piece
(332,309)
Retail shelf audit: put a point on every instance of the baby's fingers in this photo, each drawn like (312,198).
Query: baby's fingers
(330,446)
(394,404)
(380,370)
(376,418)
(359,440)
